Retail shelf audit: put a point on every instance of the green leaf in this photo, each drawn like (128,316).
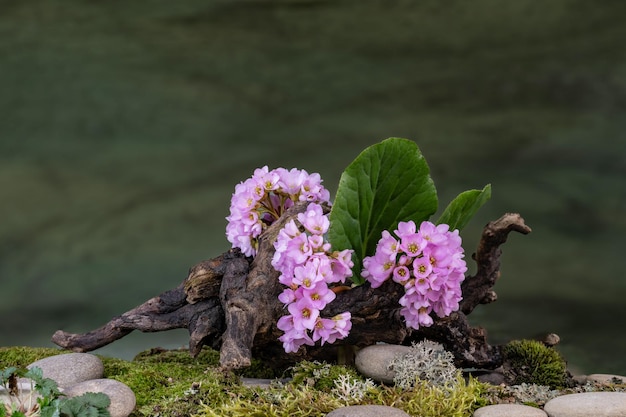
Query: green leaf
(90,404)
(464,206)
(387,183)
(45,386)
(6,373)
(51,409)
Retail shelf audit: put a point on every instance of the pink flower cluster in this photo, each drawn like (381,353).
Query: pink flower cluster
(307,267)
(262,199)
(429,264)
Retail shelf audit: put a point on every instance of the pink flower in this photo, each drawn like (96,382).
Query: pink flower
(435,234)
(298,249)
(421,285)
(387,245)
(285,323)
(269,180)
(319,295)
(261,199)
(294,339)
(422,267)
(412,244)
(312,190)
(343,324)
(428,263)
(288,296)
(401,274)
(405,228)
(304,314)
(341,265)
(314,220)
(291,181)
(306,275)
(378,269)
(317,243)
(307,266)
(324,328)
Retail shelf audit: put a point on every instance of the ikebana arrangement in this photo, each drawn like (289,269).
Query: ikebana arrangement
(309,277)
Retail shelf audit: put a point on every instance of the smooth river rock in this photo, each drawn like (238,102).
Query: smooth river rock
(367,411)
(122,398)
(588,404)
(70,368)
(509,410)
(606,378)
(373,361)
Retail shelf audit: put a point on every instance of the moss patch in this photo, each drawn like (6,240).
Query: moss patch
(532,362)
(21,356)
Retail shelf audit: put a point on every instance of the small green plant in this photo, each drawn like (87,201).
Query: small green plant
(532,362)
(426,361)
(320,375)
(459,399)
(45,398)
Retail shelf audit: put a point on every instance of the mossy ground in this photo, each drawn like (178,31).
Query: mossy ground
(171,383)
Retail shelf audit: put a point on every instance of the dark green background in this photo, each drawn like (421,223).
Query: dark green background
(124,127)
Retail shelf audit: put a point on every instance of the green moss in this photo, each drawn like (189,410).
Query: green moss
(532,362)
(423,400)
(207,356)
(428,400)
(171,383)
(21,356)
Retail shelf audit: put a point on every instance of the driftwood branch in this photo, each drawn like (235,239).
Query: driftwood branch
(477,289)
(166,311)
(230,303)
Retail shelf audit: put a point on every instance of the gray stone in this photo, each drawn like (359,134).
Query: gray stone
(580,379)
(606,379)
(373,361)
(122,398)
(493,377)
(367,411)
(509,410)
(587,404)
(70,368)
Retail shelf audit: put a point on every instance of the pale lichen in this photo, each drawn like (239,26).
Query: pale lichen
(426,361)
(351,390)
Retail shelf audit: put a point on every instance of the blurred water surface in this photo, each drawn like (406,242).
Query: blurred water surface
(124,128)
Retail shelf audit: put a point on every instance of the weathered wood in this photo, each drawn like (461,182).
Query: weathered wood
(166,311)
(477,289)
(205,279)
(230,302)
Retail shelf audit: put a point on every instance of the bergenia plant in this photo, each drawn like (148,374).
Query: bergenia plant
(310,271)
(387,187)
(428,262)
(262,199)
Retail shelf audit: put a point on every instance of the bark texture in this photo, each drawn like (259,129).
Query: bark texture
(230,303)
